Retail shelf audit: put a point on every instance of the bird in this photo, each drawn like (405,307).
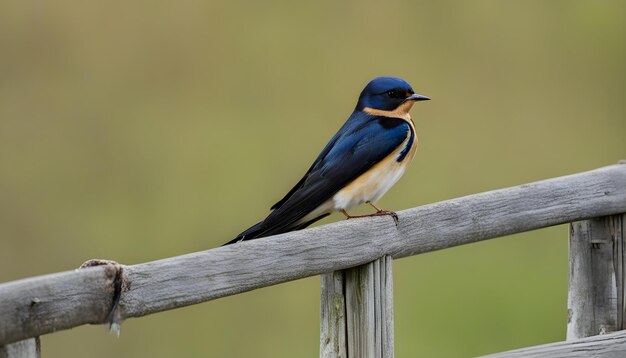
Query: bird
(360,163)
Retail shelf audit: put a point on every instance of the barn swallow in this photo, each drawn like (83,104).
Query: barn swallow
(366,157)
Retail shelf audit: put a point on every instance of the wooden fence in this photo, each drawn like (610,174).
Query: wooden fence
(354,258)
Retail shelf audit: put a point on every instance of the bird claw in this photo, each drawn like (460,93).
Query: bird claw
(389,213)
(378,213)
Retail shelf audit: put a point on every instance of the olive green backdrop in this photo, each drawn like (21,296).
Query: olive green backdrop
(140,130)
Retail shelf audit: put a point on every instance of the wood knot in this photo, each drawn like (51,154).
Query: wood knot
(116,272)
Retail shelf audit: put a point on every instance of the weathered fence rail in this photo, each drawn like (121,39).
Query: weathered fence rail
(40,305)
(611,345)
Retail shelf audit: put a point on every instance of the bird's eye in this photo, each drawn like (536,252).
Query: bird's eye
(396,93)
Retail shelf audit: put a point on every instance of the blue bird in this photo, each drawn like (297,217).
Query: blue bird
(361,162)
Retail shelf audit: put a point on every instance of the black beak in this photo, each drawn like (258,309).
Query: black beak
(416,97)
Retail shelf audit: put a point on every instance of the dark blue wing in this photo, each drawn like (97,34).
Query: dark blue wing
(321,156)
(361,143)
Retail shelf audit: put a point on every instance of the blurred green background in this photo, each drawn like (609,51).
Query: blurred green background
(141,130)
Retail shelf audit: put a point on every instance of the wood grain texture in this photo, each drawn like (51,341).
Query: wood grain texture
(612,345)
(189,279)
(357,311)
(28,348)
(618,225)
(49,303)
(594,277)
(386,280)
(363,312)
(360,311)
(332,315)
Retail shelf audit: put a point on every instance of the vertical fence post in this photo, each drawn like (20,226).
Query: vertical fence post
(28,348)
(357,311)
(333,315)
(596,276)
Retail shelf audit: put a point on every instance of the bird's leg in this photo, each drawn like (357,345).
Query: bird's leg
(378,212)
(374,206)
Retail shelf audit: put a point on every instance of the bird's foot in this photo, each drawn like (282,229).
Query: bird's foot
(380,212)
(387,212)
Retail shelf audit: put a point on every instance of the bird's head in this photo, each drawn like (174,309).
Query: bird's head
(390,96)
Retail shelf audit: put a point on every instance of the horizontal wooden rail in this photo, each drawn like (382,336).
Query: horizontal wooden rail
(604,345)
(44,304)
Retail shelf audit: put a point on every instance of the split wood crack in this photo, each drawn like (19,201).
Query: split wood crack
(114,315)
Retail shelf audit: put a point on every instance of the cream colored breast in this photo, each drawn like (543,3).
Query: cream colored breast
(374,183)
